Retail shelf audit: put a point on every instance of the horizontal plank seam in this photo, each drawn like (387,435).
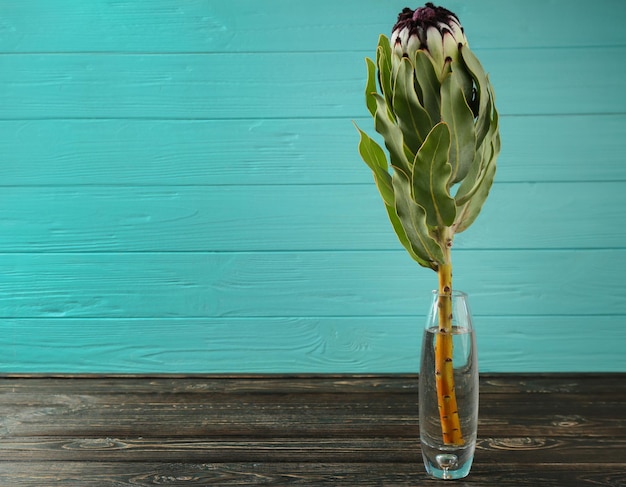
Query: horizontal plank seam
(377,317)
(280,185)
(273,52)
(287,376)
(361,118)
(148,251)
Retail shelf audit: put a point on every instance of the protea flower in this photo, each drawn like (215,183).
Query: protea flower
(433,104)
(433,29)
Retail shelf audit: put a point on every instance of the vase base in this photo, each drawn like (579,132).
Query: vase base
(447,466)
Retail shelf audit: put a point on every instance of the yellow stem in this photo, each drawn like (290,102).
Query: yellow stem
(444,368)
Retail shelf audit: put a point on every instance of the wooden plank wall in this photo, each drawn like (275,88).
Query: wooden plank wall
(181,190)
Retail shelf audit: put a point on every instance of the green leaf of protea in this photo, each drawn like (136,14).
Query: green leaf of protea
(404,239)
(469,212)
(458,115)
(375,158)
(412,118)
(429,85)
(485,157)
(483,92)
(412,216)
(430,176)
(394,140)
(370,87)
(385,68)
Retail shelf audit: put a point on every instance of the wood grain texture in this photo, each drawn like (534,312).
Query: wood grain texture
(319,217)
(365,474)
(270,151)
(281,25)
(180,190)
(184,284)
(219,86)
(534,429)
(317,344)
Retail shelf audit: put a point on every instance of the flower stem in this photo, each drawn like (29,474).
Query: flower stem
(444,368)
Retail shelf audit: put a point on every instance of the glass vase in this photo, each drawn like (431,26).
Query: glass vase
(448,388)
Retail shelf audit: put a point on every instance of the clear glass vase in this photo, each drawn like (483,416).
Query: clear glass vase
(448,388)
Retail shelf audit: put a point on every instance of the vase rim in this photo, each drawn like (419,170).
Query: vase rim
(454,293)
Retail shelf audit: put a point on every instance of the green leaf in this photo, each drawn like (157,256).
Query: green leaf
(430,175)
(413,219)
(429,85)
(494,127)
(375,158)
(470,183)
(458,115)
(467,83)
(483,92)
(491,148)
(370,86)
(385,69)
(412,118)
(392,134)
(404,239)
(484,157)
(469,212)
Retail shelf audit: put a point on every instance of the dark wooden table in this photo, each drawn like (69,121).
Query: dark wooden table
(535,430)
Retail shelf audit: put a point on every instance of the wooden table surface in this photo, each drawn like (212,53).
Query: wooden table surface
(534,430)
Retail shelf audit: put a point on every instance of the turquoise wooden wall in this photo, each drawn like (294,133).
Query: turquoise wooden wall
(181,190)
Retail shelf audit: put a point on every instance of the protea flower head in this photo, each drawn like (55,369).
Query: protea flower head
(433,29)
(433,105)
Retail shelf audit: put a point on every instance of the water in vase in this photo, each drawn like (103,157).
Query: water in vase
(449,461)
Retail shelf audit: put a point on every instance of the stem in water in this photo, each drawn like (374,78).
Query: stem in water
(444,368)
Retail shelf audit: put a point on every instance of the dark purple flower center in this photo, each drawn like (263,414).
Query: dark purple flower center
(419,20)
(427,13)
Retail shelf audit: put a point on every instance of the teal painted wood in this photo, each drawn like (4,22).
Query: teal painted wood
(292,217)
(181,190)
(284,25)
(383,344)
(228,86)
(296,284)
(289,151)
